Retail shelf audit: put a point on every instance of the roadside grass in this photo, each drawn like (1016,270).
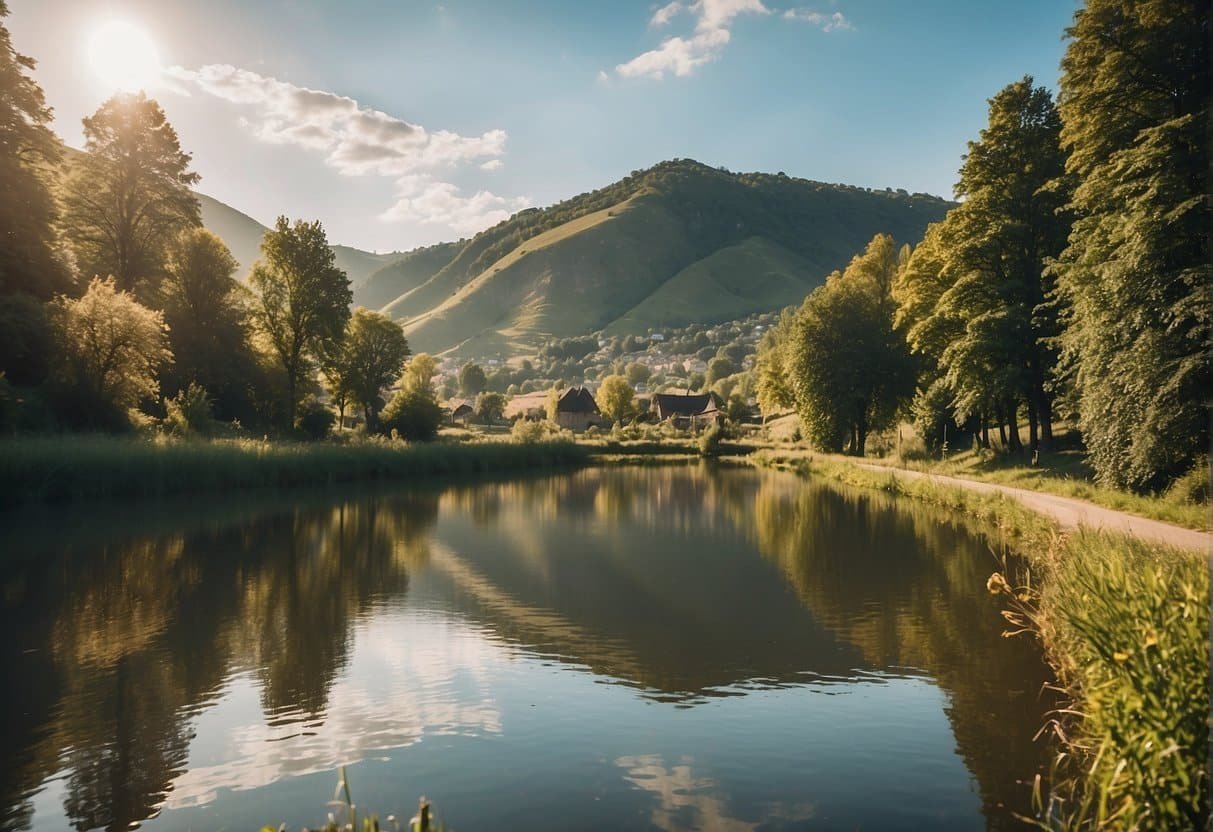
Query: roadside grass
(1126,626)
(1062,472)
(70,468)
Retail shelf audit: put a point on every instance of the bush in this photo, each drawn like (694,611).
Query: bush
(413,414)
(709,442)
(189,412)
(313,419)
(528,432)
(1192,487)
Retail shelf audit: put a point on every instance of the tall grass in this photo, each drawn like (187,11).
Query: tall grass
(1126,626)
(60,469)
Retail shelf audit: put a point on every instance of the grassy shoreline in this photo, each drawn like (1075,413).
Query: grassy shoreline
(74,468)
(1125,625)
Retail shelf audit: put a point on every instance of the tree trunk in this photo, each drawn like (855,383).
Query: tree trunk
(1033,438)
(1013,427)
(861,436)
(1002,428)
(985,430)
(290,398)
(1046,420)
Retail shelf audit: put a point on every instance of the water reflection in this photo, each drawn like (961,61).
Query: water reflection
(169,662)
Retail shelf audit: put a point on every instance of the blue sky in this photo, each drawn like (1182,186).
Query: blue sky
(401,123)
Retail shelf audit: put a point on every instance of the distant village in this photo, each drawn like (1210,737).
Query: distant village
(688,377)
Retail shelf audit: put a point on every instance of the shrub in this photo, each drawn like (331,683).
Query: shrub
(709,441)
(1192,487)
(313,419)
(413,414)
(189,412)
(527,431)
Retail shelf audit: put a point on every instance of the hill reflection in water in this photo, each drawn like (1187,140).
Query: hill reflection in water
(635,648)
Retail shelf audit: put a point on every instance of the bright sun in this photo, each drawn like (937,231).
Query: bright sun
(123,56)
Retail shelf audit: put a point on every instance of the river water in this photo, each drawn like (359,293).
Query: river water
(623,648)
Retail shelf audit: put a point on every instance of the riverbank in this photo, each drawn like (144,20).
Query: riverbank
(1126,626)
(74,468)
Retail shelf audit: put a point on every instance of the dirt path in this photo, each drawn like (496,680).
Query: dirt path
(1071,513)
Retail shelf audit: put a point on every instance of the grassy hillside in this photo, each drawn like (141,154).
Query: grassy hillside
(678,243)
(406,272)
(755,275)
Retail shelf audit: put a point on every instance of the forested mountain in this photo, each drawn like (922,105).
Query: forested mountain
(678,243)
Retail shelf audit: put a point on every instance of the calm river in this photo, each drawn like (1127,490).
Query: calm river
(630,648)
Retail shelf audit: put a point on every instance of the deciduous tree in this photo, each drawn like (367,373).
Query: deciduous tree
(616,399)
(129,194)
(1134,280)
(302,299)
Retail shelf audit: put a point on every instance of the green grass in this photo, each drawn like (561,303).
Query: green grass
(68,468)
(1126,626)
(1063,472)
(755,275)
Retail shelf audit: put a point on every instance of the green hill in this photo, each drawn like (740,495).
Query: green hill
(678,243)
(407,271)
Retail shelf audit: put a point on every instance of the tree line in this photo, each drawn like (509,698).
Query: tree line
(1072,279)
(116,306)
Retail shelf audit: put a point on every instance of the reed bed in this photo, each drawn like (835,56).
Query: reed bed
(72,468)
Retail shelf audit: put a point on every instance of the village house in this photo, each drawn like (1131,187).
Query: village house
(686,409)
(577,409)
(461,410)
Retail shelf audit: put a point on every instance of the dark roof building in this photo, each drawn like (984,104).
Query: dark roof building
(673,405)
(577,400)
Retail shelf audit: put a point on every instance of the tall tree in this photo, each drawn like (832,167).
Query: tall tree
(974,296)
(303,300)
(849,369)
(369,358)
(28,150)
(1135,279)
(129,195)
(414,412)
(207,316)
(472,380)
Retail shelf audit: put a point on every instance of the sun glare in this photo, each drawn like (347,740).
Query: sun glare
(123,56)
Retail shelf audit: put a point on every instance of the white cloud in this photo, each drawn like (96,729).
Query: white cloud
(424,200)
(826,22)
(361,141)
(666,13)
(683,55)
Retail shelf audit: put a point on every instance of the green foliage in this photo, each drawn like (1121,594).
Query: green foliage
(314,419)
(710,440)
(1131,624)
(302,300)
(365,363)
(110,351)
(1192,487)
(412,416)
(189,413)
(973,296)
(848,369)
(472,380)
(489,407)
(1135,91)
(130,193)
(28,261)
(208,325)
(637,373)
(718,368)
(530,431)
(616,399)
(26,339)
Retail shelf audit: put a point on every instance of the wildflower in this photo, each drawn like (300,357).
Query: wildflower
(997,584)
